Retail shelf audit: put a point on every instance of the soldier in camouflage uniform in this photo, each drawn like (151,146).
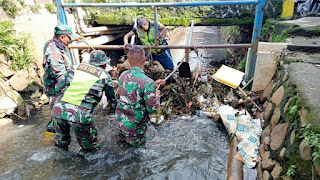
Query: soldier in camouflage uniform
(81,90)
(56,61)
(137,99)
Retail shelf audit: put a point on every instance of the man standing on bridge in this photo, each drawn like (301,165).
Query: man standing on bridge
(56,62)
(137,99)
(82,89)
(145,31)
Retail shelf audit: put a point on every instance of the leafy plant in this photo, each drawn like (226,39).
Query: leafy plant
(10,7)
(51,7)
(312,137)
(35,8)
(242,65)
(14,46)
(291,171)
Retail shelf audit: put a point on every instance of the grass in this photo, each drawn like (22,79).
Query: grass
(14,46)
(10,8)
(51,8)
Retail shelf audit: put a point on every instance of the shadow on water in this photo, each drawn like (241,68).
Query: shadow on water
(182,148)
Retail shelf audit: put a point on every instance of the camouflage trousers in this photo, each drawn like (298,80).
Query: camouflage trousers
(86,134)
(135,140)
(50,127)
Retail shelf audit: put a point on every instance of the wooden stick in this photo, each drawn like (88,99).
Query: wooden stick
(245,94)
(247,100)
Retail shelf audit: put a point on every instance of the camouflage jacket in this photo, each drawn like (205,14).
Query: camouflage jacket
(137,99)
(55,64)
(77,98)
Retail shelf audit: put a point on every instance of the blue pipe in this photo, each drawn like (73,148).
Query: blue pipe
(252,58)
(203,3)
(61,13)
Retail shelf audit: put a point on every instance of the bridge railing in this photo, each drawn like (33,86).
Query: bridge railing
(260,4)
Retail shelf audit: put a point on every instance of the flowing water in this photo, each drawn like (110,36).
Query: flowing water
(192,147)
(201,35)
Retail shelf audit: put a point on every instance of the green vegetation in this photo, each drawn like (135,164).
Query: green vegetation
(14,46)
(291,171)
(10,7)
(51,7)
(242,65)
(35,8)
(312,136)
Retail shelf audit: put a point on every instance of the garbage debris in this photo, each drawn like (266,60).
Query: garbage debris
(248,130)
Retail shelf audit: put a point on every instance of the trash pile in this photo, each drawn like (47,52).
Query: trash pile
(203,92)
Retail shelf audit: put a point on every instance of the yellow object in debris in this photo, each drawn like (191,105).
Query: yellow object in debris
(49,134)
(287,9)
(229,76)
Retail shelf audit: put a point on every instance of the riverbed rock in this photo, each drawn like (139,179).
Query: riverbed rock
(303,113)
(292,136)
(20,80)
(266,175)
(275,117)
(276,171)
(267,162)
(305,151)
(4,88)
(278,95)
(5,66)
(44,98)
(5,122)
(267,111)
(277,135)
(21,110)
(10,101)
(281,156)
(267,92)
(266,132)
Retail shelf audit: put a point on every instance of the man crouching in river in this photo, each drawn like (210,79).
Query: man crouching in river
(82,89)
(137,98)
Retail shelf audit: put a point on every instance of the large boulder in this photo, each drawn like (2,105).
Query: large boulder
(22,78)
(277,135)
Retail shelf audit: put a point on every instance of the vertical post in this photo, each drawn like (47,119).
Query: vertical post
(61,13)
(187,51)
(155,9)
(134,36)
(255,40)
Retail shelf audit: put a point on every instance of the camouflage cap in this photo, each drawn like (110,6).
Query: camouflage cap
(63,29)
(99,58)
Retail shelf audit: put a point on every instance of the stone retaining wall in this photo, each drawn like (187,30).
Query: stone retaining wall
(291,102)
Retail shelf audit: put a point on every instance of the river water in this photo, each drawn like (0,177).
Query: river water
(191,147)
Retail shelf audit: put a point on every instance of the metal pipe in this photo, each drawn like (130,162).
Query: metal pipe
(168,4)
(255,40)
(133,37)
(191,30)
(60,12)
(155,15)
(210,46)
(187,51)
(235,167)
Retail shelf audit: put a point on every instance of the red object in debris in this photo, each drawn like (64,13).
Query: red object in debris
(189,104)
